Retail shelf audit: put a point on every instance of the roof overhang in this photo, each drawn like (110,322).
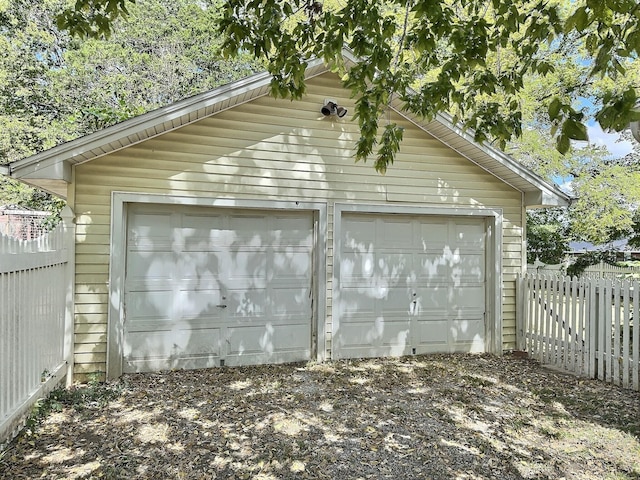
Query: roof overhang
(51,169)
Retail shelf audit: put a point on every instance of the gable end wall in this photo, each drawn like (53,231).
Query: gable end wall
(275,150)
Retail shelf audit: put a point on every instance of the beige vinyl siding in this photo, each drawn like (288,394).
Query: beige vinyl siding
(271,149)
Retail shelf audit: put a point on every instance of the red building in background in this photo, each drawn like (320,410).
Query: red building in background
(22,224)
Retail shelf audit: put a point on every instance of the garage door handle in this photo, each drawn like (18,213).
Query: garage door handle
(221,306)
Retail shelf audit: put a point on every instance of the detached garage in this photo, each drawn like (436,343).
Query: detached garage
(232,228)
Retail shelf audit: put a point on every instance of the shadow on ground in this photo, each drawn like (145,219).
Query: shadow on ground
(438,416)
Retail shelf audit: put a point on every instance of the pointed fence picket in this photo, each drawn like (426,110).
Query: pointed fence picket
(36,328)
(586,326)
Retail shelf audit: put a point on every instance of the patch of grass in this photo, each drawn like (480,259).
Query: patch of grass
(94,394)
(552,433)
(546,395)
(479,381)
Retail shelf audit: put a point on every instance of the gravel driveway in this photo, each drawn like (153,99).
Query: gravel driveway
(436,417)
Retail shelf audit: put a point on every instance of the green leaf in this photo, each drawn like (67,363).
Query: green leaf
(554,108)
(574,130)
(563,143)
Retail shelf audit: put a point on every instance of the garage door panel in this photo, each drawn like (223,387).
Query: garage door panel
(379,338)
(433,267)
(193,269)
(394,233)
(270,339)
(434,298)
(182,339)
(286,302)
(200,303)
(293,264)
(173,348)
(469,235)
(354,304)
(248,230)
(467,298)
(285,231)
(150,266)
(467,335)
(144,305)
(432,232)
(377,272)
(397,301)
(200,233)
(151,324)
(434,331)
(424,273)
(358,232)
(468,267)
(467,329)
(151,231)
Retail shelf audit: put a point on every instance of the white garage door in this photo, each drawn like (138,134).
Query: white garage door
(206,287)
(409,284)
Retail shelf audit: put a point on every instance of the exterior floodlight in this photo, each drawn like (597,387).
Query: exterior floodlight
(330,108)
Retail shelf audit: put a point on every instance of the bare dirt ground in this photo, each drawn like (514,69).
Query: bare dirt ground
(435,417)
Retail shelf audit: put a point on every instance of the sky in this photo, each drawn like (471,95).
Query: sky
(600,138)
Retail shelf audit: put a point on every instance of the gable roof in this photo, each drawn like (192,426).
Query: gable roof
(51,169)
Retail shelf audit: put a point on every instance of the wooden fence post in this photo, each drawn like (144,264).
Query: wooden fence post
(635,340)
(592,328)
(69,226)
(520,319)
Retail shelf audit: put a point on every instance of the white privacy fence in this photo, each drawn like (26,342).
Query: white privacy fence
(586,326)
(36,327)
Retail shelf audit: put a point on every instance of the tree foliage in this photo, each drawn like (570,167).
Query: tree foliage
(547,236)
(55,87)
(468,57)
(526,75)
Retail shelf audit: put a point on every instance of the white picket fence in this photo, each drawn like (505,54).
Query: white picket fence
(582,325)
(36,327)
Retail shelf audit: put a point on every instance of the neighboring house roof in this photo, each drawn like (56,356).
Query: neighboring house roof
(615,246)
(51,169)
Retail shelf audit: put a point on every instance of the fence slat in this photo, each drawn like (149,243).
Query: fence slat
(548,318)
(615,357)
(569,328)
(625,335)
(636,336)
(536,318)
(581,332)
